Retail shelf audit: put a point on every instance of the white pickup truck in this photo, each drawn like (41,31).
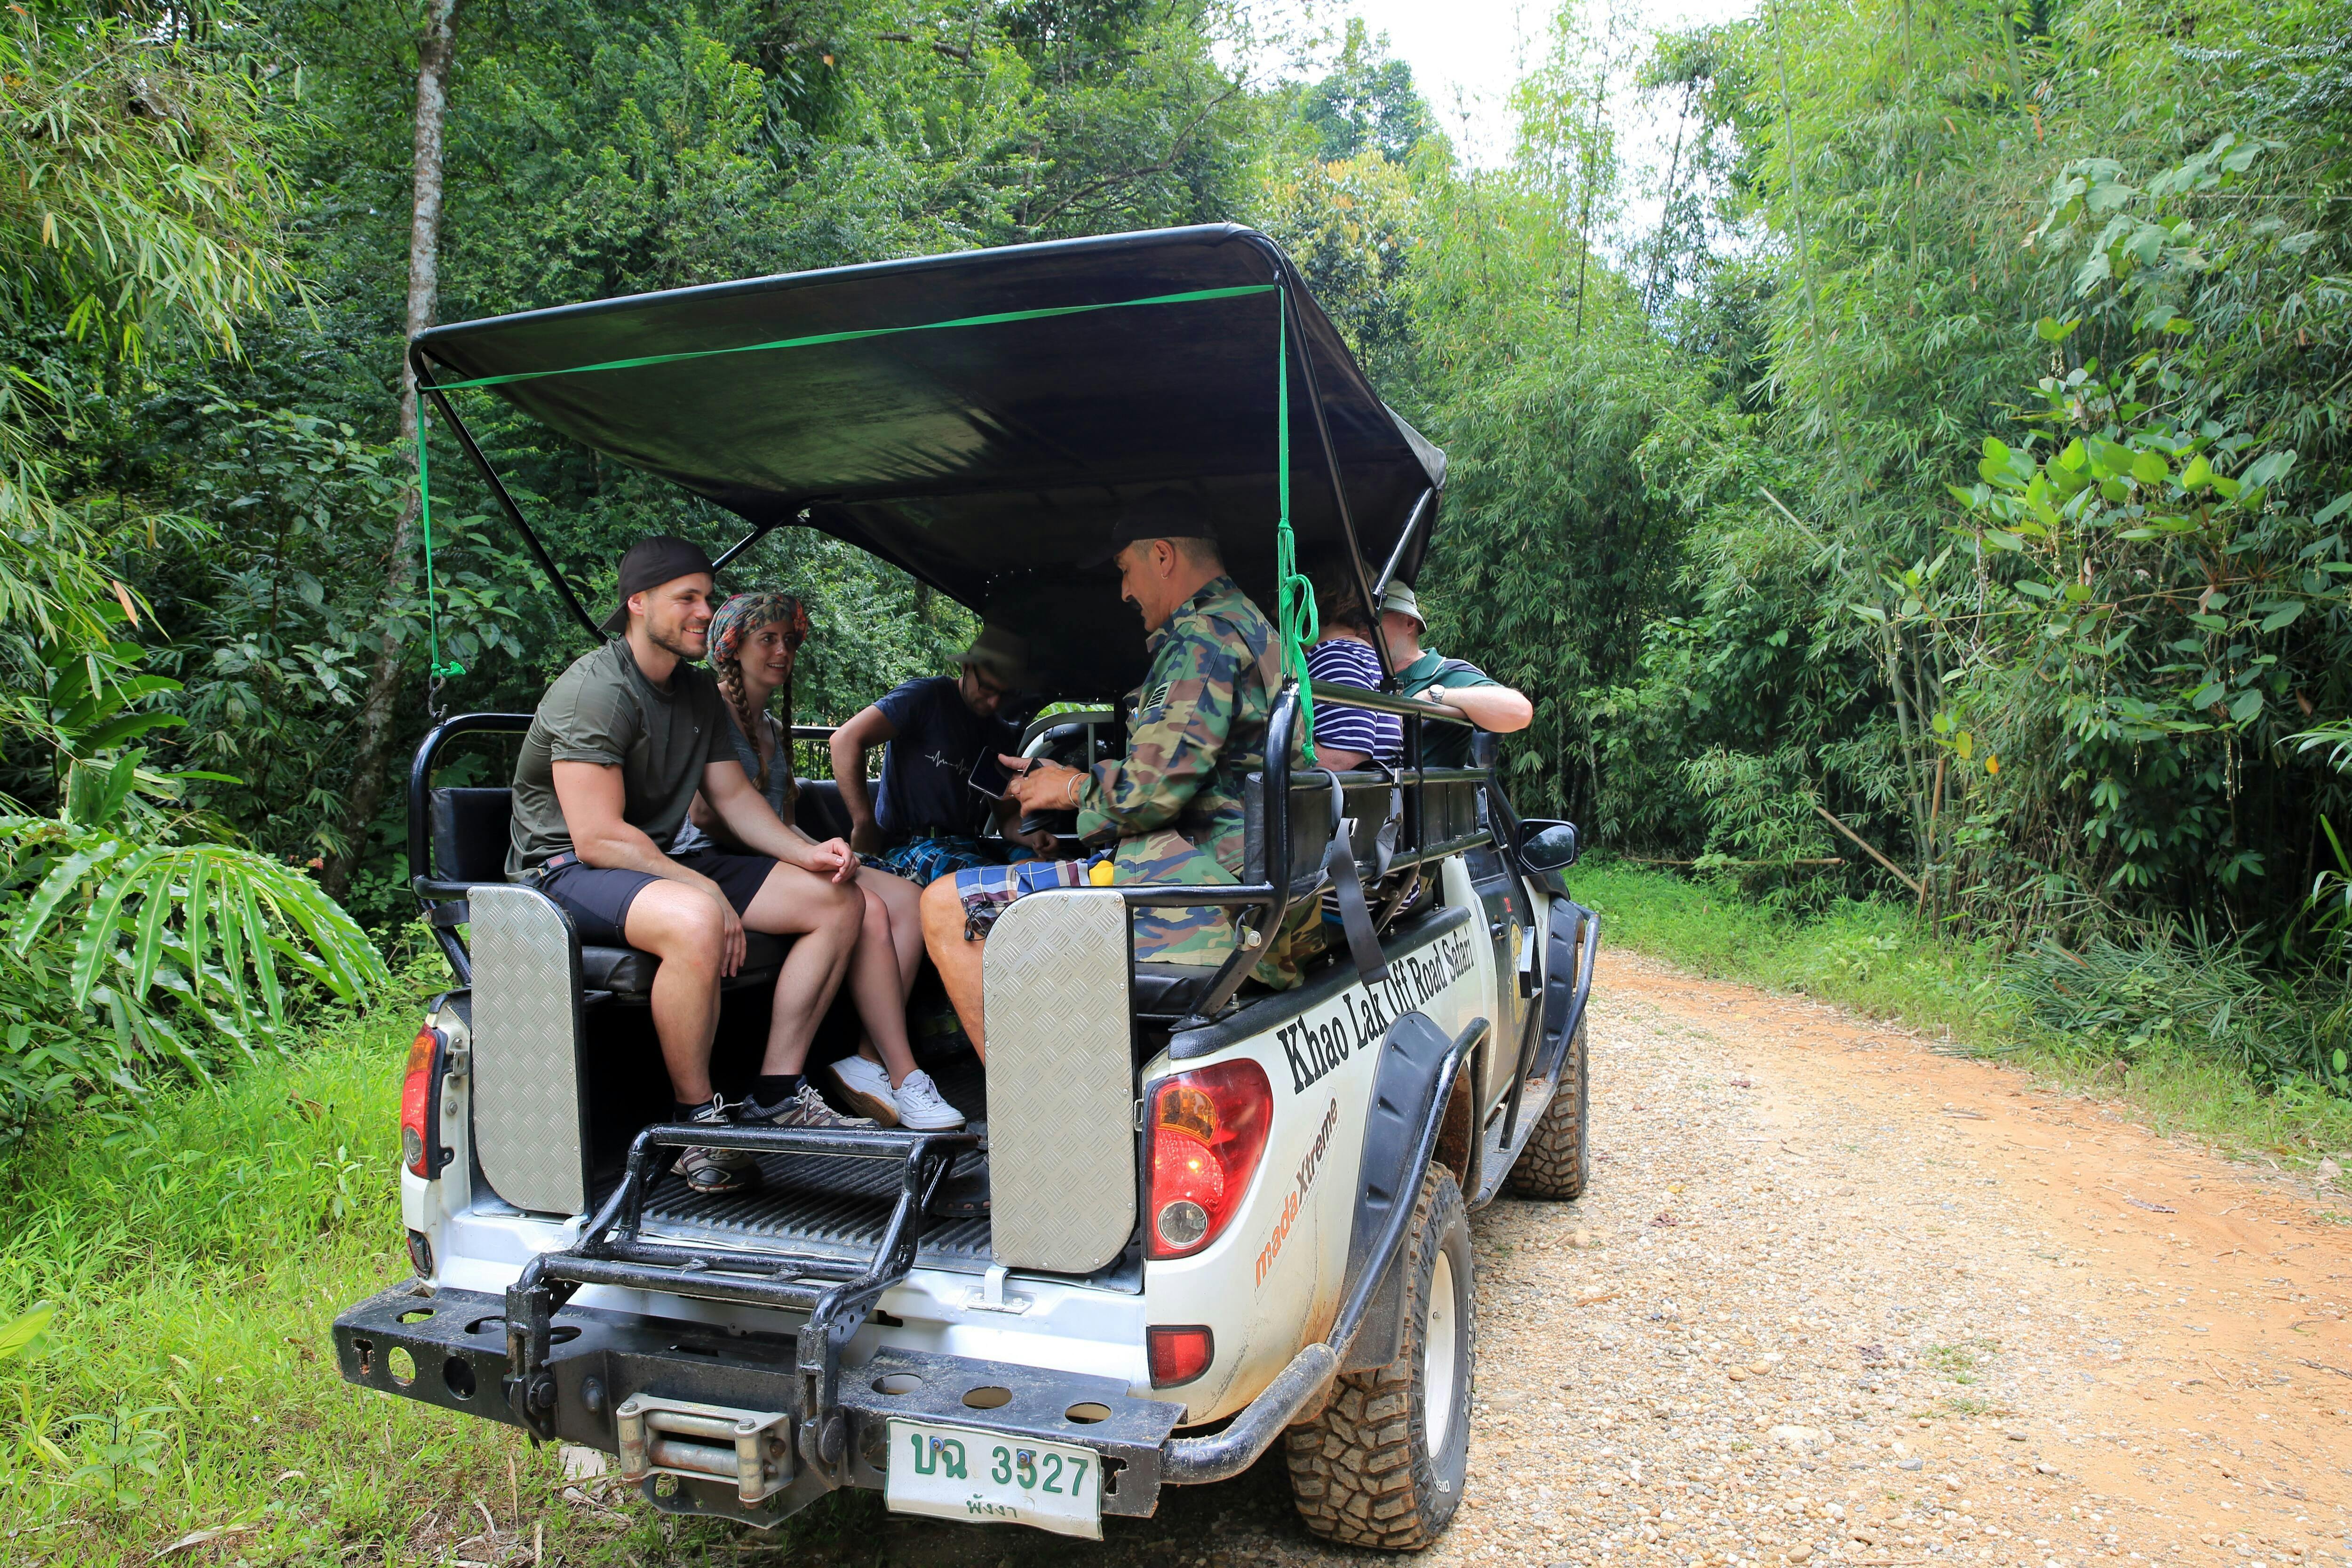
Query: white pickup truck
(1191,1216)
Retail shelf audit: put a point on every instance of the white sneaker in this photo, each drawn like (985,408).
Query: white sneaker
(865,1085)
(920,1107)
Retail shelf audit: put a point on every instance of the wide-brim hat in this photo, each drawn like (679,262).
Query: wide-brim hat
(1399,597)
(1002,654)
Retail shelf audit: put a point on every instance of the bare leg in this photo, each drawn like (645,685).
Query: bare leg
(874,981)
(959,960)
(902,900)
(826,916)
(683,927)
(897,900)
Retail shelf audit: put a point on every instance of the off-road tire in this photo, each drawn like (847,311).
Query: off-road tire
(1558,1160)
(1362,1472)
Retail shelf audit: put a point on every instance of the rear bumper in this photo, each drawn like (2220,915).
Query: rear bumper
(448,1347)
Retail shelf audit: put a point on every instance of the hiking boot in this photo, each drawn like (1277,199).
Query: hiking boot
(922,1108)
(806,1108)
(717,1170)
(865,1085)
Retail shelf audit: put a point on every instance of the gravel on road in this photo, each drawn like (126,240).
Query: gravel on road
(1833,1296)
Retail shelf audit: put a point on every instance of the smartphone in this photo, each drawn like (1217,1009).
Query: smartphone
(990,777)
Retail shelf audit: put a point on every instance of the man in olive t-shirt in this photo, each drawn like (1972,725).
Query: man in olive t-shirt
(620,744)
(1485,701)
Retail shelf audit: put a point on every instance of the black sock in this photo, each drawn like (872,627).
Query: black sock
(686,1113)
(775,1088)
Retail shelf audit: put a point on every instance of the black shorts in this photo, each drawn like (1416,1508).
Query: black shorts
(598,900)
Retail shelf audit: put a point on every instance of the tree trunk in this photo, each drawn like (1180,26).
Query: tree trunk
(434,50)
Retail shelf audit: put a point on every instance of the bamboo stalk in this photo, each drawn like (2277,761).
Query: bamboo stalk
(1900,875)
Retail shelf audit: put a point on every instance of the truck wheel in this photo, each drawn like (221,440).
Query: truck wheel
(1384,1466)
(1559,1156)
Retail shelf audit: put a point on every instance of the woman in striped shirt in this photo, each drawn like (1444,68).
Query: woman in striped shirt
(1350,737)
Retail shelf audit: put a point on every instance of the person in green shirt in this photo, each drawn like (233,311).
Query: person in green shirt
(1485,701)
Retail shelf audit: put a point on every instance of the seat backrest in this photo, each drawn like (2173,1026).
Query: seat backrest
(1371,799)
(470,833)
(817,811)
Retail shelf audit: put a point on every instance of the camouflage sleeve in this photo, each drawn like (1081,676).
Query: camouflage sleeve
(1173,745)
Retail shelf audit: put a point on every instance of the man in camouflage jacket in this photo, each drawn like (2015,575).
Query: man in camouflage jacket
(1168,811)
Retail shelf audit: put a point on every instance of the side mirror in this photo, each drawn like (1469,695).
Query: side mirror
(1547,848)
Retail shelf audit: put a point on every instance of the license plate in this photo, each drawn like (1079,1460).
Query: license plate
(981,1478)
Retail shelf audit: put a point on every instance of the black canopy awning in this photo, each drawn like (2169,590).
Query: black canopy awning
(989,457)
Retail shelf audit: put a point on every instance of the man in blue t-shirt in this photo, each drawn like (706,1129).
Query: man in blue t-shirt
(927,819)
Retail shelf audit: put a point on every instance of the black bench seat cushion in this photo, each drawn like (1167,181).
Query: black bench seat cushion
(628,972)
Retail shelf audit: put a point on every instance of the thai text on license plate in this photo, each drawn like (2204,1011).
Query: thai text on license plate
(982,1477)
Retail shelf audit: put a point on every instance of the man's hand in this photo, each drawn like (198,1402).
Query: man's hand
(1043,842)
(832,860)
(1043,787)
(865,837)
(731,946)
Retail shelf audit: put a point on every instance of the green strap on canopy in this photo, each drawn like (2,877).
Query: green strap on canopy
(1294,613)
(436,670)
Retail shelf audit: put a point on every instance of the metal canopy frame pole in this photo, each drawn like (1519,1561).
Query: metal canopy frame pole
(498,489)
(1421,509)
(1332,468)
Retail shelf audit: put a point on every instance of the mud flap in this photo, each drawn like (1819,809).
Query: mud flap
(1572,944)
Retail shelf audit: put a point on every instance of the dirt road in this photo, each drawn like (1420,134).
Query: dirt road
(1835,1298)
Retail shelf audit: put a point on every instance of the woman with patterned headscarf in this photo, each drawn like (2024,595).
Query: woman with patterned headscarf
(755,639)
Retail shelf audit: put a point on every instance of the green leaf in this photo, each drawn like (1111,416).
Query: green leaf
(2150,468)
(2198,475)
(114,731)
(2285,616)
(2245,705)
(2269,468)
(194,922)
(265,967)
(64,878)
(22,1338)
(2053,331)
(154,915)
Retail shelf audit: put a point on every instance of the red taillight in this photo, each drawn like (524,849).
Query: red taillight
(1178,1355)
(420,1140)
(1208,1129)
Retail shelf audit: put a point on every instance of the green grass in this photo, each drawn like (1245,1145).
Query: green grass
(1874,957)
(195,1251)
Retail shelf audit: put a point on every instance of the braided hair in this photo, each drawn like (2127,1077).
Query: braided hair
(738,618)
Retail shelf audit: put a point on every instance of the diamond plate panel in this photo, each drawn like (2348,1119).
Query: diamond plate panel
(1061,1071)
(529,1105)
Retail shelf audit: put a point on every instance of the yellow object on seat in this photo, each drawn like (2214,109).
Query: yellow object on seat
(1100,872)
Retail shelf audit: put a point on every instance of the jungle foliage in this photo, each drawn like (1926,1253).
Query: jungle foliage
(1932,437)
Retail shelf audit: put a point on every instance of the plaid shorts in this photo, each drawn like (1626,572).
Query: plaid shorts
(923,861)
(986,890)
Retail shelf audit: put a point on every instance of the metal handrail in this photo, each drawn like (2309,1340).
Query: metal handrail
(1389,702)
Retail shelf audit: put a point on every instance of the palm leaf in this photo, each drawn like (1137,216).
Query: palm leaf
(265,967)
(99,932)
(64,876)
(154,914)
(192,903)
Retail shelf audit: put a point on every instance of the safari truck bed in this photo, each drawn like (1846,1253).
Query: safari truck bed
(1191,1217)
